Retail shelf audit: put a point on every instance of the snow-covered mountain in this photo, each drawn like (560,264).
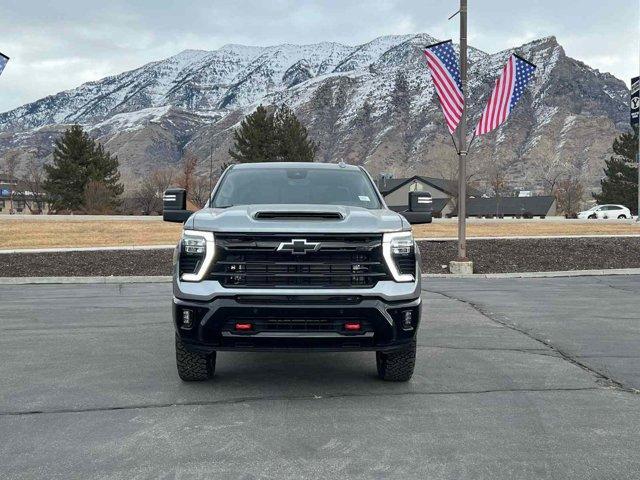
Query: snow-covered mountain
(370,104)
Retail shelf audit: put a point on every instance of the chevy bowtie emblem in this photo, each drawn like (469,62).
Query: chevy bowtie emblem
(298,246)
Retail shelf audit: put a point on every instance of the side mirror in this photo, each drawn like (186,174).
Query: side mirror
(420,208)
(416,218)
(174,205)
(420,202)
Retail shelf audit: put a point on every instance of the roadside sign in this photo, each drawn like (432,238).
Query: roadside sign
(635,100)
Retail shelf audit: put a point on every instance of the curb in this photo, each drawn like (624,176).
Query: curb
(87,249)
(83,280)
(566,273)
(167,278)
(80,218)
(422,239)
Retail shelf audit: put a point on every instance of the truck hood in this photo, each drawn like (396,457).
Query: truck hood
(296,219)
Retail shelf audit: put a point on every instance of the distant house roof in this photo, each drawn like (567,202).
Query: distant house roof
(510,206)
(436,207)
(447,186)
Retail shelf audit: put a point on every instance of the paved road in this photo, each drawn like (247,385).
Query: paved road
(594,321)
(521,379)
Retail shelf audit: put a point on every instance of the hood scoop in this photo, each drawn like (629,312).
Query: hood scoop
(289,215)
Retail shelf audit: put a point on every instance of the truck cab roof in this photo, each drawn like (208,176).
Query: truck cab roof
(302,165)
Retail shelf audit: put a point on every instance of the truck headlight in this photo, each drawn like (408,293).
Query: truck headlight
(197,250)
(194,245)
(398,249)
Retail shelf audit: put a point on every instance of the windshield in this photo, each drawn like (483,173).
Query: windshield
(312,186)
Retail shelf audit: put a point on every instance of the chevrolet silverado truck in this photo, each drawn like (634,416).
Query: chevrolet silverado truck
(296,256)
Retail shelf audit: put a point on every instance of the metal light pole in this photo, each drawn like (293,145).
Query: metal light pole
(462,140)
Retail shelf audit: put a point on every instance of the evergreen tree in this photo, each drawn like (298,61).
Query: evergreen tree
(254,140)
(264,137)
(620,184)
(292,138)
(79,162)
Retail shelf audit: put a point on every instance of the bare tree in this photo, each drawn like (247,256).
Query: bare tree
(97,198)
(10,166)
(29,186)
(547,173)
(199,193)
(550,181)
(569,193)
(498,183)
(188,170)
(152,187)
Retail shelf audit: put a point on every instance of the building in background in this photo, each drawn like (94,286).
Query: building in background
(14,200)
(443,192)
(522,207)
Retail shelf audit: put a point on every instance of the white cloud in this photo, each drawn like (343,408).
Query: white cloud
(58,45)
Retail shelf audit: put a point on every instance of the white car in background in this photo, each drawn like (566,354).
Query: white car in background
(606,211)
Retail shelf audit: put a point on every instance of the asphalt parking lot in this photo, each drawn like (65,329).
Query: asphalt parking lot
(515,379)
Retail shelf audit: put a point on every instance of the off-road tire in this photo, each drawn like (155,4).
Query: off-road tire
(192,366)
(397,366)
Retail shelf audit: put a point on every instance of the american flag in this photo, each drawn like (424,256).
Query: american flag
(443,64)
(508,90)
(3,61)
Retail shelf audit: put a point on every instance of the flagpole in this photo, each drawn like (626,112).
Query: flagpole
(453,140)
(462,140)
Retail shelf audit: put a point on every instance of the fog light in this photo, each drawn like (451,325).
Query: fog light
(407,317)
(187,318)
(352,326)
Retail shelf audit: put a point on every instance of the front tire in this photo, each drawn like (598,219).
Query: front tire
(193,366)
(397,366)
(622,217)
(592,217)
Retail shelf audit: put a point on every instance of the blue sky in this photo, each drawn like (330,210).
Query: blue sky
(58,45)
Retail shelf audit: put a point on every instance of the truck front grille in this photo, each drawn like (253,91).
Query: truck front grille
(254,261)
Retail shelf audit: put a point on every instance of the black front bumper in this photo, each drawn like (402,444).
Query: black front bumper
(296,322)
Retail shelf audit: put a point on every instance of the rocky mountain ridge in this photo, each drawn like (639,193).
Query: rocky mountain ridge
(371,104)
